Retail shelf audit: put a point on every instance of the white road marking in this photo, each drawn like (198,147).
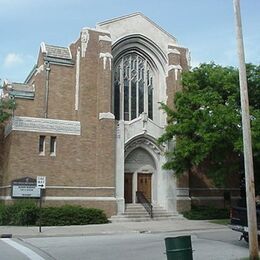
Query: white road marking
(24,250)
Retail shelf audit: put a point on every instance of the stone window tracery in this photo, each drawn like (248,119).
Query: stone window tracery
(133,87)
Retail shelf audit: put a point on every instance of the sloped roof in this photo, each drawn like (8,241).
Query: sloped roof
(19,90)
(20,87)
(56,51)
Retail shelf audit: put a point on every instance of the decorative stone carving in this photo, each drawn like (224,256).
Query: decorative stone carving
(106,56)
(84,41)
(143,141)
(43,125)
(145,120)
(188,57)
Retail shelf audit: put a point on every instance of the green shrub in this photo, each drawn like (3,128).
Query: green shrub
(206,212)
(26,212)
(21,212)
(71,215)
(2,214)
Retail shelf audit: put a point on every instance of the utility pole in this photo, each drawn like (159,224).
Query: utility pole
(247,143)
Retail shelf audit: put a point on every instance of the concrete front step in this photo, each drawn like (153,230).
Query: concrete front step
(136,213)
(141,219)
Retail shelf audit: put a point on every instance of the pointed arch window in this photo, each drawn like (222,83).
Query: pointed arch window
(133,87)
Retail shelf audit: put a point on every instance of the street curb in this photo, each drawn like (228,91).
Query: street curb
(121,232)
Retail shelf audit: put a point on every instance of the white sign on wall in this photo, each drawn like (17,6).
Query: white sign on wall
(41,182)
(25,191)
(25,188)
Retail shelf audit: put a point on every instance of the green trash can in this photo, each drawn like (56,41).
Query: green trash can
(178,248)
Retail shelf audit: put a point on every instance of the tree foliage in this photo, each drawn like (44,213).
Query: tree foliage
(206,121)
(6,107)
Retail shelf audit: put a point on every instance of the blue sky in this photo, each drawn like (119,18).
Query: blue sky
(206,27)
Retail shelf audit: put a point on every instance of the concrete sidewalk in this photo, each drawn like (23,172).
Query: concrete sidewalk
(111,228)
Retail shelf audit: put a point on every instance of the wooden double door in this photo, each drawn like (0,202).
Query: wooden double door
(144,184)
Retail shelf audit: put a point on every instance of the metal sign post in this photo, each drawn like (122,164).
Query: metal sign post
(41,183)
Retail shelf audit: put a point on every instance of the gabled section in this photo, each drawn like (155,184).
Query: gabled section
(56,54)
(19,90)
(134,16)
(137,23)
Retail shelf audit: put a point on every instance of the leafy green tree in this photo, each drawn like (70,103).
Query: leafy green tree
(206,121)
(6,107)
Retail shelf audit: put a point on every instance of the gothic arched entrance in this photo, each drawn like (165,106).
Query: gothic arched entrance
(139,175)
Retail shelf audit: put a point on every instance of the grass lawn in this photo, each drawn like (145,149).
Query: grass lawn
(220,221)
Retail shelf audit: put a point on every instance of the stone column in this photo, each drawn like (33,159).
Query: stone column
(120,167)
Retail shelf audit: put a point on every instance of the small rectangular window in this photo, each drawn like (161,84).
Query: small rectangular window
(42,145)
(53,146)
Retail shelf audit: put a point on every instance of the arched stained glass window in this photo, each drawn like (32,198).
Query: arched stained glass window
(133,87)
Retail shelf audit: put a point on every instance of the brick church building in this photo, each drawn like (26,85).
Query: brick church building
(88,118)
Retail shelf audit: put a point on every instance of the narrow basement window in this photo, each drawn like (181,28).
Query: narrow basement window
(42,145)
(53,146)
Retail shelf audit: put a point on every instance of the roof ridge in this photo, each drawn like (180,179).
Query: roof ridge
(47,44)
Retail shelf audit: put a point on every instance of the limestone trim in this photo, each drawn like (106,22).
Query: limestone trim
(212,197)
(133,15)
(142,141)
(39,69)
(68,198)
(43,47)
(106,56)
(80,198)
(5,187)
(43,125)
(170,45)
(188,57)
(214,189)
(176,68)
(77,80)
(107,115)
(183,198)
(5,198)
(171,67)
(142,45)
(70,187)
(80,188)
(105,38)
(96,30)
(173,51)
(182,192)
(84,41)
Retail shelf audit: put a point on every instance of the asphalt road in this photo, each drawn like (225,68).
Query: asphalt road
(220,244)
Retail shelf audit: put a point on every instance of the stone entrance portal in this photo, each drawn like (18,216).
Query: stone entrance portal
(139,175)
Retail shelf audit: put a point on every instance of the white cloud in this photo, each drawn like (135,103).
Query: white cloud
(13,59)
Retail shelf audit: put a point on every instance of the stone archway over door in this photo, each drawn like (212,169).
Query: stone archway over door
(139,175)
